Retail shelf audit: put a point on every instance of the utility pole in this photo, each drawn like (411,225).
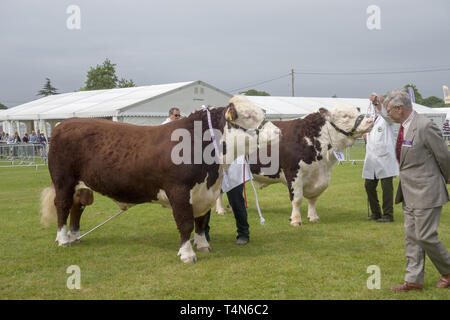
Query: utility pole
(292,77)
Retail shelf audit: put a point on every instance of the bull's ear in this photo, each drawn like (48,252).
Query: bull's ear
(231,113)
(324,112)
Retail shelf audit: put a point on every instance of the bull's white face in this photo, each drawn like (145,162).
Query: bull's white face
(243,142)
(345,117)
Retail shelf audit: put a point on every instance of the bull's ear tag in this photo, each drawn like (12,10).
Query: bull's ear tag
(230,117)
(339,155)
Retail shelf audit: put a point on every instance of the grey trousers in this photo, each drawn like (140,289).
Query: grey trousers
(421,238)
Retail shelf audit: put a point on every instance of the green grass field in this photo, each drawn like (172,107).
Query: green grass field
(135,255)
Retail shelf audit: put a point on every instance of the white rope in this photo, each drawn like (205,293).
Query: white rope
(261,219)
(211,131)
(121,211)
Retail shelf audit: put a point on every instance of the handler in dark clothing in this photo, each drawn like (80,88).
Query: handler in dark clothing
(237,203)
(233,182)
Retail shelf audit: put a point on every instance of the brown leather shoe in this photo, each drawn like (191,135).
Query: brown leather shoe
(407,286)
(444,281)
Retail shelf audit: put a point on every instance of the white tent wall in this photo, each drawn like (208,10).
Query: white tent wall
(445,110)
(142,121)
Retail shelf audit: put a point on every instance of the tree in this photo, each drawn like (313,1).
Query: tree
(417,96)
(2,106)
(253,92)
(124,83)
(104,77)
(433,102)
(48,89)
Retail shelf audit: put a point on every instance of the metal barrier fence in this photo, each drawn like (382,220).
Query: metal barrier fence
(447,136)
(357,152)
(23,155)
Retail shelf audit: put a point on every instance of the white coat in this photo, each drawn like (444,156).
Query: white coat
(234,176)
(381,161)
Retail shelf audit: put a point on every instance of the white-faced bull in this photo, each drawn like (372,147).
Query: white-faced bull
(132,164)
(307,157)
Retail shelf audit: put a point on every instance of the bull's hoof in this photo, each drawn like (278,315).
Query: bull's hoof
(221,212)
(296,223)
(204,249)
(186,254)
(192,259)
(63,244)
(315,220)
(74,236)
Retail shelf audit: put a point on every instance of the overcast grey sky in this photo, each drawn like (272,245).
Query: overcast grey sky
(230,44)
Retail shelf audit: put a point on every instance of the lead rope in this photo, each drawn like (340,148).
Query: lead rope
(213,137)
(261,218)
(243,178)
(118,213)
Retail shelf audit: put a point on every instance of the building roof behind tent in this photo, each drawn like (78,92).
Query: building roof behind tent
(95,103)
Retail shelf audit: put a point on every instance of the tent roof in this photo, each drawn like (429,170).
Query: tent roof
(282,107)
(112,102)
(96,103)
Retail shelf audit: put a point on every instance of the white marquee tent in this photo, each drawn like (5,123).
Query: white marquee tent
(447,111)
(147,105)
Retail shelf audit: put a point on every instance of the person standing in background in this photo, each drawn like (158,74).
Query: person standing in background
(174,114)
(380,163)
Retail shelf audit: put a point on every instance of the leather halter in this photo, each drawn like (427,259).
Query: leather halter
(236,126)
(355,126)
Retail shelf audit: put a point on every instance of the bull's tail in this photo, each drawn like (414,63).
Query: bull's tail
(48,208)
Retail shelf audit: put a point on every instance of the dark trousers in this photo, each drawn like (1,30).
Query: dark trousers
(237,203)
(388,197)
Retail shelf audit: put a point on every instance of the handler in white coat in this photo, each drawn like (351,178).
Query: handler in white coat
(380,163)
(233,184)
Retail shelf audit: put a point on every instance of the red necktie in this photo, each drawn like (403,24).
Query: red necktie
(399,143)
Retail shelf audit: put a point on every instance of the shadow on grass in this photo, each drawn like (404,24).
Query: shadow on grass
(272,243)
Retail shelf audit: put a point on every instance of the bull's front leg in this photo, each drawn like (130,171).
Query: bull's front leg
(296,193)
(296,218)
(312,213)
(199,236)
(219,206)
(184,218)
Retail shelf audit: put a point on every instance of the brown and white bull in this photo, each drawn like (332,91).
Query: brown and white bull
(306,155)
(135,164)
